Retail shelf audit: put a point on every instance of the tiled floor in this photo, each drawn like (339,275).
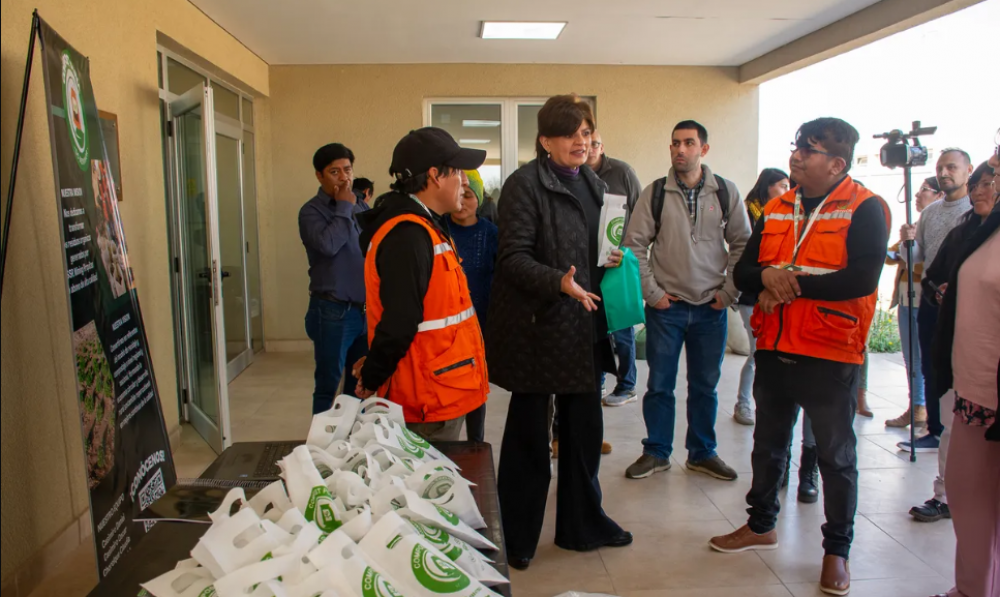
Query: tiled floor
(674,514)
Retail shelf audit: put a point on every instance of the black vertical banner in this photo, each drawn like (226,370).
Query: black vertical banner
(128,459)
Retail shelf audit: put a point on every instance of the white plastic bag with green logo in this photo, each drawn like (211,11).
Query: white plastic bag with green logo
(389,466)
(357,523)
(461,553)
(373,407)
(187,580)
(612,225)
(349,570)
(252,581)
(443,486)
(412,507)
(272,502)
(350,488)
(335,424)
(422,570)
(325,463)
(308,491)
(398,439)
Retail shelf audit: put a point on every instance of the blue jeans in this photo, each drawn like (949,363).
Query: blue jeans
(750,366)
(340,335)
(702,331)
(912,361)
(624,344)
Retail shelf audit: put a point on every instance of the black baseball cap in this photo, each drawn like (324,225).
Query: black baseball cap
(431,147)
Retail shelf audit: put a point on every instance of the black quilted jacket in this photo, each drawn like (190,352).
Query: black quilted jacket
(540,340)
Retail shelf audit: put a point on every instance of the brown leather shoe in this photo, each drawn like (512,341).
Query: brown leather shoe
(836,579)
(606,448)
(863,409)
(745,540)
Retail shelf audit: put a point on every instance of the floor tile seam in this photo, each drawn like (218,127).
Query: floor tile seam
(929,565)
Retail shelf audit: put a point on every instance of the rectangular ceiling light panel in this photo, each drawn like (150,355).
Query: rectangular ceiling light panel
(521,30)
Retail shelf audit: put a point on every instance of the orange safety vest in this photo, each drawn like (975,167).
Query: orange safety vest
(831,330)
(443,376)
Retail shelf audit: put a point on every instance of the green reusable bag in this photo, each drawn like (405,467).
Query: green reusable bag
(622,290)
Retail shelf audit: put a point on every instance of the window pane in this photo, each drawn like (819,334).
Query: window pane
(159,70)
(476,126)
(252,243)
(527,132)
(247,112)
(227,103)
(182,79)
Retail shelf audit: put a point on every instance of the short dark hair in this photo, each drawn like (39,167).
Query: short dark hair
(562,115)
(933,184)
(962,152)
(418,183)
(363,185)
(836,135)
(691,125)
(331,153)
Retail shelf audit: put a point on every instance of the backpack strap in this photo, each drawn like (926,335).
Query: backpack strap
(724,198)
(659,194)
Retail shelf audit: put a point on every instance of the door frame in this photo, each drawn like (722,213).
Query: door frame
(217,434)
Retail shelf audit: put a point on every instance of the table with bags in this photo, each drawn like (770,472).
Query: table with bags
(378,512)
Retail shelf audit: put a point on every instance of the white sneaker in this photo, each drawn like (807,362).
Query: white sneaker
(745,415)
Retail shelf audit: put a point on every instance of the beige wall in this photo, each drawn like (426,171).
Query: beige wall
(370,108)
(43,487)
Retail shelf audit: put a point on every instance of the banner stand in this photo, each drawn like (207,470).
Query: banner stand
(127,456)
(9,209)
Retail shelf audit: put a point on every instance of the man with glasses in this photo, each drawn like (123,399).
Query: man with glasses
(621,180)
(815,259)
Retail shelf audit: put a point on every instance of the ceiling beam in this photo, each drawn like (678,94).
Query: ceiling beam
(871,24)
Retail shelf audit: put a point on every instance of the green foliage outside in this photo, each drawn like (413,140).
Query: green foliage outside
(884,335)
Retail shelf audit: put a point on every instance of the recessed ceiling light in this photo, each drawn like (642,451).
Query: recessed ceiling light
(521,30)
(480,124)
(474,141)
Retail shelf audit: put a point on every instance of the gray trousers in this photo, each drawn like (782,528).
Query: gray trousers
(445,431)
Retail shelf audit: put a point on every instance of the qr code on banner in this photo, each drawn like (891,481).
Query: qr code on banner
(154,490)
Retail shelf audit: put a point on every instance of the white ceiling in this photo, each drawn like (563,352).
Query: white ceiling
(646,32)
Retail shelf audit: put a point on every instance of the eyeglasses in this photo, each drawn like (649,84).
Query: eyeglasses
(987,185)
(596,144)
(807,152)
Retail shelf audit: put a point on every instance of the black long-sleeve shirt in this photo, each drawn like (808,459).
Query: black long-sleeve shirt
(867,239)
(405,261)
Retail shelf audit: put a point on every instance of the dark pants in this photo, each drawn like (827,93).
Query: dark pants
(340,337)
(525,473)
(701,331)
(927,316)
(828,392)
(475,425)
(624,345)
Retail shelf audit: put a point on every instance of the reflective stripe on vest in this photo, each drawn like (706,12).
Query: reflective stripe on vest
(441,249)
(834,215)
(447,322)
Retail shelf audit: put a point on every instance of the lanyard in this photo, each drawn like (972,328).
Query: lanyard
(798,217)
(421,204)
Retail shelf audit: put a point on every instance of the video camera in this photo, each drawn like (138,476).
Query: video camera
(898,153)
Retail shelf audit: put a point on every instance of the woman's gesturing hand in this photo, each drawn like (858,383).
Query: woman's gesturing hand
(570,288)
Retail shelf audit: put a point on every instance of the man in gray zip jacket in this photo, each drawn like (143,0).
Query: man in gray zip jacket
(687,260)
(622,180)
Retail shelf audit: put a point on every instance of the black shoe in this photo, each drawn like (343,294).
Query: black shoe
(809,476)
(624,539)
(519,563)
(931,511)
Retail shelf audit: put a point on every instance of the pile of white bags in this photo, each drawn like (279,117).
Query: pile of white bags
(366,509)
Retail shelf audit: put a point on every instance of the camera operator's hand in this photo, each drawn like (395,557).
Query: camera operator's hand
(908,232)
(782,283)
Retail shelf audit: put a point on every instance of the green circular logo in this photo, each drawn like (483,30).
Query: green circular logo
(76,120)
(448,515)
(373,585)
(616,228)
(436,574)
(410,448)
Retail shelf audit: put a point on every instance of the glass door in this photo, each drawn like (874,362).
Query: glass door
(200,275)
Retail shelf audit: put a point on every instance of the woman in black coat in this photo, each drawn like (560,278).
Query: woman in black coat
(548,335)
